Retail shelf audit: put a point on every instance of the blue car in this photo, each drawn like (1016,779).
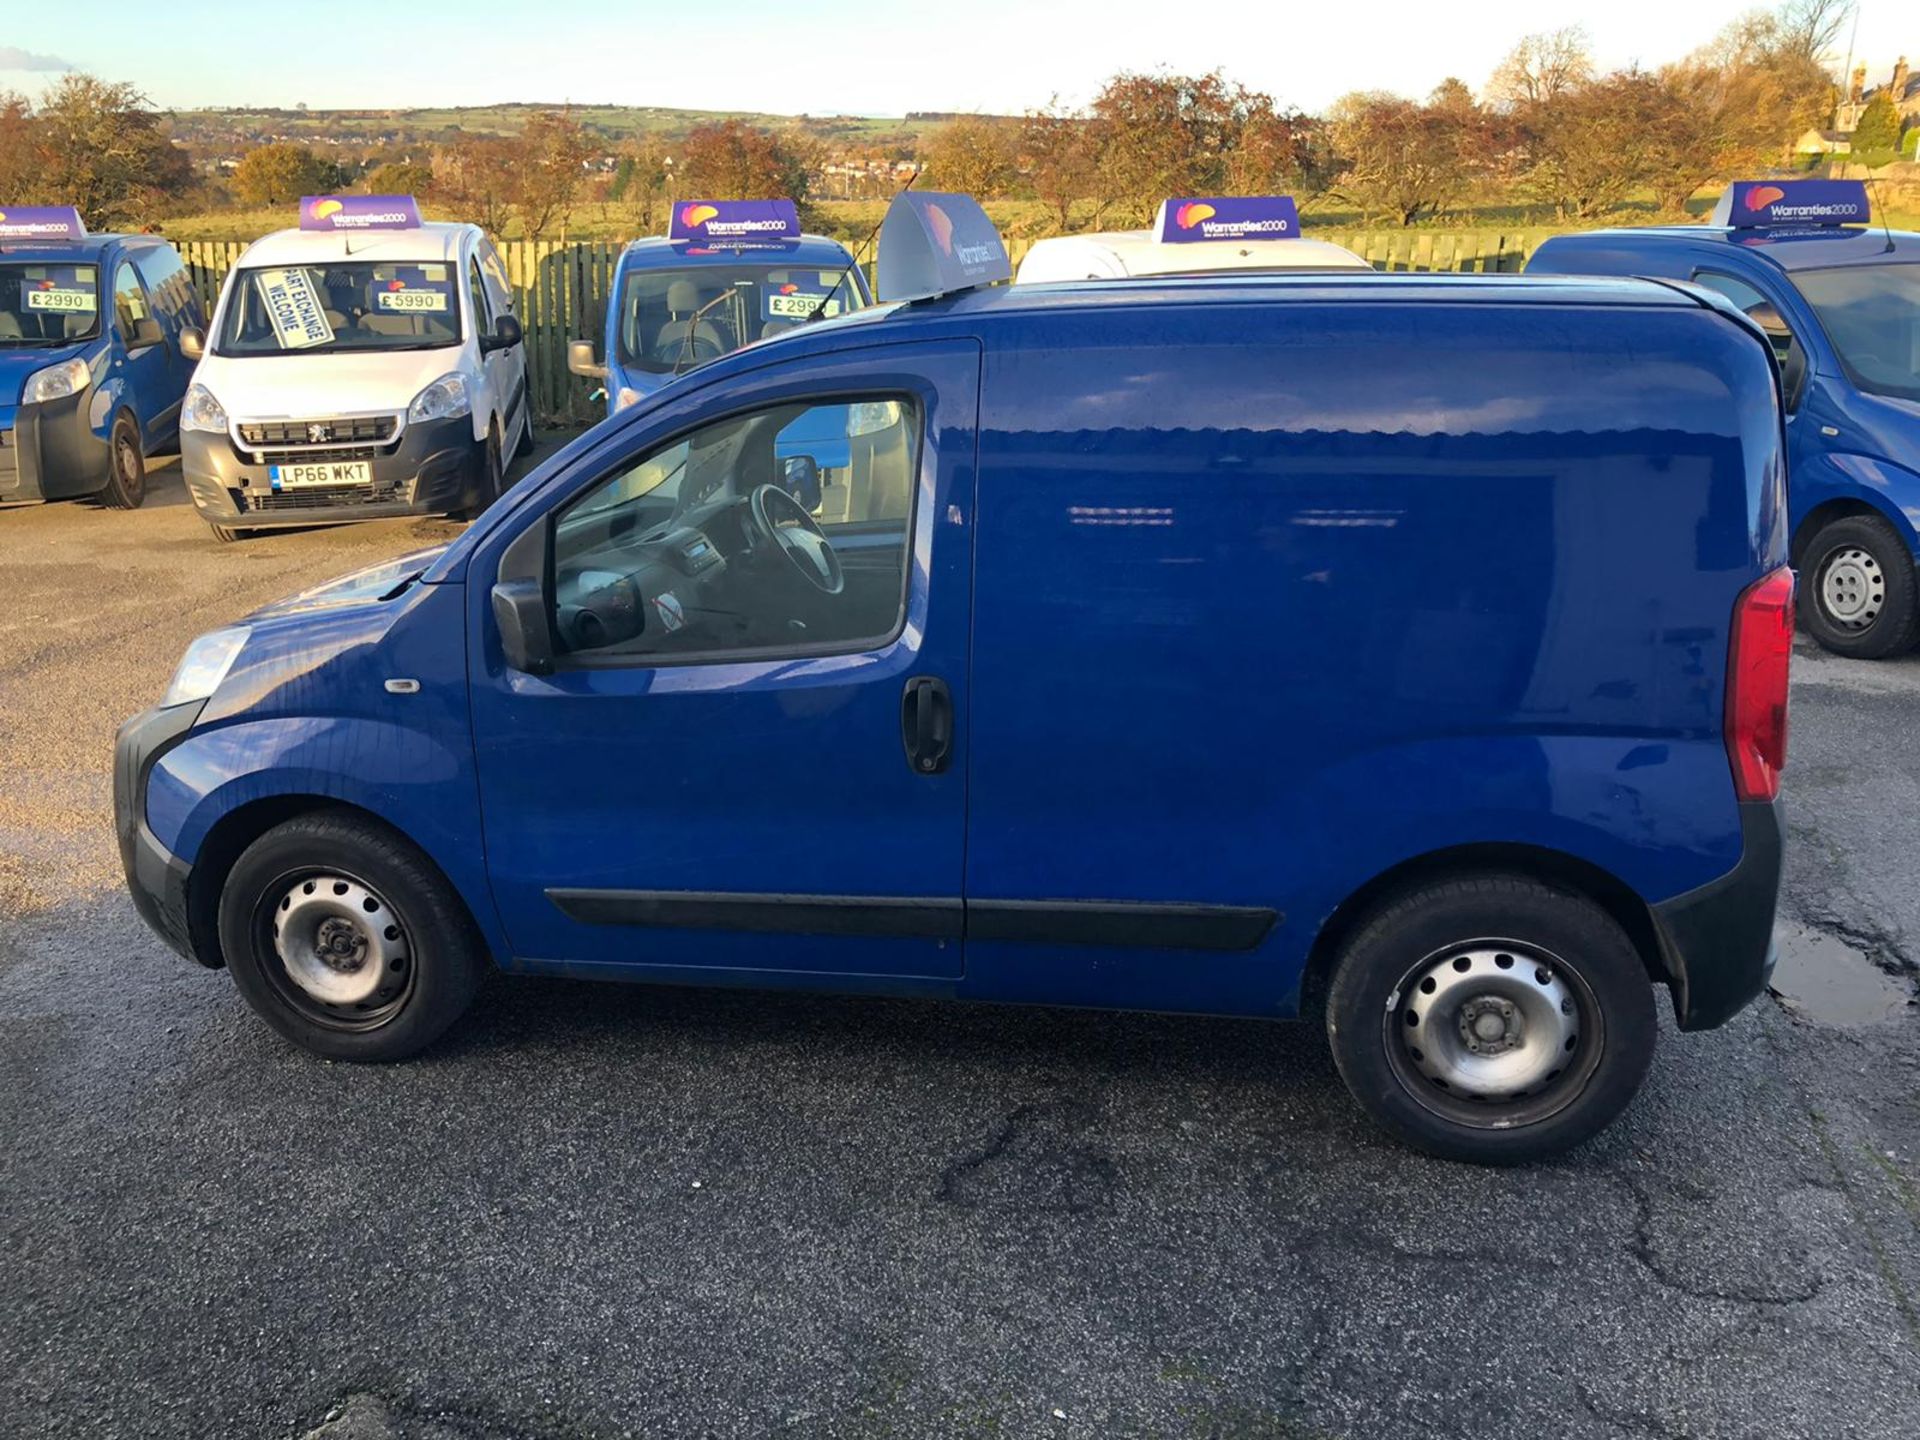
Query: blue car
(1374,649)
(91,369)
(1840,301)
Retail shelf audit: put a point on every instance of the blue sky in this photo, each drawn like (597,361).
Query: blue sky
(872,57)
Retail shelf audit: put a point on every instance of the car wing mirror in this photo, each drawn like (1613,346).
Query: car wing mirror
(581,361)
(193,342)
(145,334)
(520,608)
(506,334)
(800,478)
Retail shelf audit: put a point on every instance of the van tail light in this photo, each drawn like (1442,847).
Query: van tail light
(1757,685)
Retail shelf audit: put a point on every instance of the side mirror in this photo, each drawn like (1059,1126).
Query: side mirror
(193,342)
(580,360)
(800,478)
(1793,376)
(146,333)
(506,335)
(520,603)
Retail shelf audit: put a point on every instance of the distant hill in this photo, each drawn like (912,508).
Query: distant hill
(223,129)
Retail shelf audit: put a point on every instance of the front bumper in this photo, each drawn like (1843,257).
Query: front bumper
(48,451)
(156,877)
(428,469)
(1717,941)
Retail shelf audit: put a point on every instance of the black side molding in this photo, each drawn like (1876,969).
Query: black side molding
(1717,941)
(1049,922)
(1134,924)
(908,918)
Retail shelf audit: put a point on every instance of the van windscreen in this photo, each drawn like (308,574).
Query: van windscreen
(1871,313)
(351,305)
(676,319)
(48,303)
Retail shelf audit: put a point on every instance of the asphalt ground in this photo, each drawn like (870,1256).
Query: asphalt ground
(600,1211)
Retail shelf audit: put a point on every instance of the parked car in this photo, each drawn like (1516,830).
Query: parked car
(366,364)
(1841,303)
(1375,649)
(88,389)
(727,273)
(1191,236)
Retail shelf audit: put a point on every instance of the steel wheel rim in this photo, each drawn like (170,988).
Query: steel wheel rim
(1493,1033)
(1853,588)
(126,458)
(335,949)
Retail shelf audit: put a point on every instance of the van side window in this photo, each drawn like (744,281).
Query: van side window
(166,276)
(783,531)
(494,271)
(477,299)
(129,300)
(1764,313)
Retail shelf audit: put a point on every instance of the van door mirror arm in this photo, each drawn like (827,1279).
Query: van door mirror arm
(520,608)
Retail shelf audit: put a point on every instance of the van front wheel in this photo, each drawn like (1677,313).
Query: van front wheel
(346,938)
(1494,1020)
(1857,594)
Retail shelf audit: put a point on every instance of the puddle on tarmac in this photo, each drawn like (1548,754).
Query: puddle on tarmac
(1825,980)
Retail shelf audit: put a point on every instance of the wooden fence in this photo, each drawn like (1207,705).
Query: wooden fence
(561,290)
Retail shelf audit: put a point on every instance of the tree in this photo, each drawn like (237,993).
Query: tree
(548,157)
(972,155)
(1541,69)
(1877,132)
(640,181)
(399,177)
(1055,151)
(1157,136)
(1404,159)
(736,161)
(17,167)
(96,146)
(279,174)
(1592,147)
(476,176)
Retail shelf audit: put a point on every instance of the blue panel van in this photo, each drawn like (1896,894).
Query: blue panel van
(1371,649)
(1840,302)
(91,368)
(727,273)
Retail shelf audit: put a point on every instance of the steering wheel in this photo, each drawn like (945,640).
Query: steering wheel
(784,521)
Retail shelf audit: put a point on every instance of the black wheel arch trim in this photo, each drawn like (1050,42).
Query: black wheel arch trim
(1717,940)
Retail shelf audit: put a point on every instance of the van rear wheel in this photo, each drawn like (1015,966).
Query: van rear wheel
(1858,595)
(1494,1020)
(346,938)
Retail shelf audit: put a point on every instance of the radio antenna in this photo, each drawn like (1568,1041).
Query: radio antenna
(820,309)
(1886,227)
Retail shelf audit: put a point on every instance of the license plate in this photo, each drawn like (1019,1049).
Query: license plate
(343,472)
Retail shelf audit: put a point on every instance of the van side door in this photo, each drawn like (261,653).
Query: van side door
(147,366)
(176,304)
(510,368)
(746,757)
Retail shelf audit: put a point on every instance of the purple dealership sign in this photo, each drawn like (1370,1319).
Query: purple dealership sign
(1228,217)
(358,212)
(1748,204)
(40,222)
(735,224)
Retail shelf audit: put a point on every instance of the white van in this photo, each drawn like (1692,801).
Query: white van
(1190,237)
(365,369)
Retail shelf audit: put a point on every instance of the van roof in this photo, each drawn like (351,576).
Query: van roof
(87,247)
(1791,247)
(1141,252)
(435,240)
(657,252)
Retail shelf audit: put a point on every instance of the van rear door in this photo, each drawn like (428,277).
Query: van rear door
(748,759)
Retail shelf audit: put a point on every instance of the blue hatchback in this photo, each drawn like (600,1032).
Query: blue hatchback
(91,370)
(1372,649)
(1840,301)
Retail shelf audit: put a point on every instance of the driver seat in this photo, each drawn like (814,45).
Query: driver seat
(698,341)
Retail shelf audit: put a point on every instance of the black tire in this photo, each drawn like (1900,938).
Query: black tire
(126,483)
(226,534)
(1512,931)
(524,447)
(1857,589)
(488,485)
(426,929)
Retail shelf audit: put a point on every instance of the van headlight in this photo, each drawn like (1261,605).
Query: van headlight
(205,665)
(56,382)
(442,400)
(200,411)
